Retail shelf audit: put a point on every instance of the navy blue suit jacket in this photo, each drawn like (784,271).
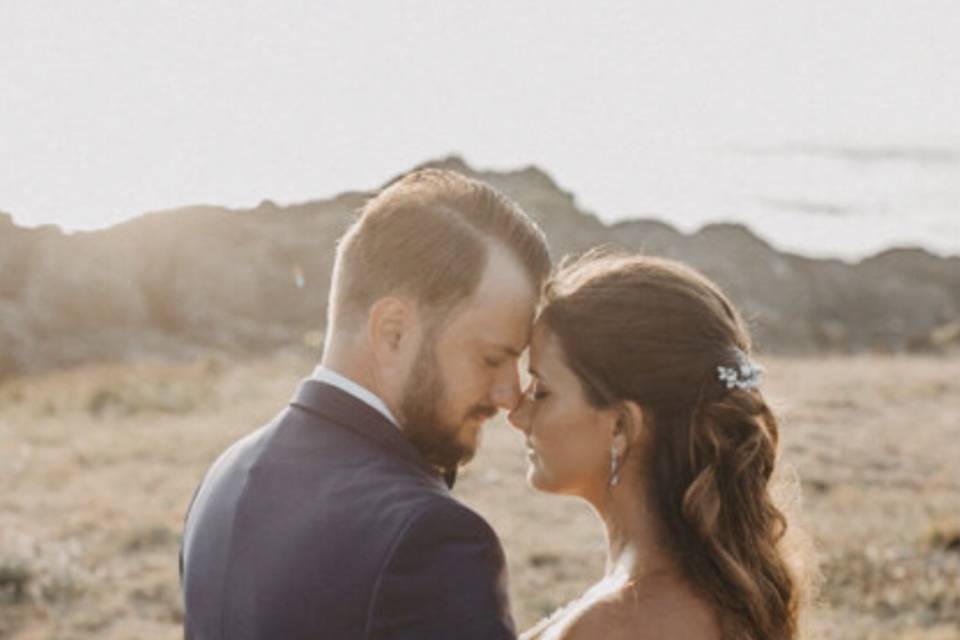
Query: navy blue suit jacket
(328,523)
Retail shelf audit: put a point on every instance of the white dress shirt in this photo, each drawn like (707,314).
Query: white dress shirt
(345,384)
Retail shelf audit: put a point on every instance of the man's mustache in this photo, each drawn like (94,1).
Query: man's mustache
(482,411)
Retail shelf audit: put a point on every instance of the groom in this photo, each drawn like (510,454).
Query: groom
(335,519)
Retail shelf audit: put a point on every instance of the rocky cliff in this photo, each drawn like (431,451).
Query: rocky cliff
(185,282)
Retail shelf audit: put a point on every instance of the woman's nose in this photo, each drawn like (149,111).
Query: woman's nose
(519,418)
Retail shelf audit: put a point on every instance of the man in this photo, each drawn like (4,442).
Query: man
(335,519)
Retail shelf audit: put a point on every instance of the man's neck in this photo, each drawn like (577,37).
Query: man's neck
(359,371)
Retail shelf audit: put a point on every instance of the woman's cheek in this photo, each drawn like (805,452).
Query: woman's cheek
(556,455)
(541,455)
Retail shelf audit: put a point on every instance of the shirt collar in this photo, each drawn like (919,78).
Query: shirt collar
(331,377)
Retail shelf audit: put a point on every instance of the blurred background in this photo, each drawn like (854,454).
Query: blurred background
(173,178)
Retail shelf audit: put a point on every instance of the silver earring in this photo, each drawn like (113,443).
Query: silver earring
(614,466)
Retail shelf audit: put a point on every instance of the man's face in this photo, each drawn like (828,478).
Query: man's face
(466,368)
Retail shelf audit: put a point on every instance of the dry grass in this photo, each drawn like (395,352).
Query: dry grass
(99,463)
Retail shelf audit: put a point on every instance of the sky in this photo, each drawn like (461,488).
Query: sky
(112,109)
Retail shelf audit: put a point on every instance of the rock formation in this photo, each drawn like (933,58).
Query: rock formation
(179,283)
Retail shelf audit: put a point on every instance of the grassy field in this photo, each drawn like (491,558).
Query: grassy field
(97,466)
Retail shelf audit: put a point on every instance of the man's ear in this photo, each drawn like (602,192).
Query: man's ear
(391,326)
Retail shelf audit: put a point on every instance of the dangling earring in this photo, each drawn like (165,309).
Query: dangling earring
(614,466)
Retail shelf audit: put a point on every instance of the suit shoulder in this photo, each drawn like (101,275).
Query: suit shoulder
(445,577)
(443,533)
(442,516)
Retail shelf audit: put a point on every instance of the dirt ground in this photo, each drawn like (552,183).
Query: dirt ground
(97,466)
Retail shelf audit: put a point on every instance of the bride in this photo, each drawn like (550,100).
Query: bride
(645,403)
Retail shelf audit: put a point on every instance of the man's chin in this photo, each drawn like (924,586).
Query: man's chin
(467,452)
(451,446)
(449,452)
(469,441)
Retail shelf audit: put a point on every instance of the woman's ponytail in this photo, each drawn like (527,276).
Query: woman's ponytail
(731,519)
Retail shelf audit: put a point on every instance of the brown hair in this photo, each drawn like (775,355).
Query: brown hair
(428,235)
(654,331)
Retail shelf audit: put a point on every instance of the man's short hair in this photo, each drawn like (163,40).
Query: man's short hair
(428,236)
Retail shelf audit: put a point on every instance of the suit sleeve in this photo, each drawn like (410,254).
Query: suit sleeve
(186,515)
(446,578)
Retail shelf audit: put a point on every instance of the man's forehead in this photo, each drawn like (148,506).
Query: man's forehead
(504,275)
(510,340)
(501,310)
(499,325)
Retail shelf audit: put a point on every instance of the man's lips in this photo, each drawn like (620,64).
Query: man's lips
(481,414)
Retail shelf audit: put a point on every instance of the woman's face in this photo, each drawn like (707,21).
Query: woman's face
(568,440)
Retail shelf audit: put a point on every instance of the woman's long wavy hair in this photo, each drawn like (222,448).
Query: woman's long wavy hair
(654,331)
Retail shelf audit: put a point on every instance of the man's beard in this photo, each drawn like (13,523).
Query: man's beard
(421,408)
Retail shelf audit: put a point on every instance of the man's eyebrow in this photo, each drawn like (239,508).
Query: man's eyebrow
(511,351)
(507,349)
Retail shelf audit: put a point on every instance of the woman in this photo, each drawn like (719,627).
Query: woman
(645,403)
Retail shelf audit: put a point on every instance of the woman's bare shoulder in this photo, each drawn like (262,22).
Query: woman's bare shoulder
(628,616)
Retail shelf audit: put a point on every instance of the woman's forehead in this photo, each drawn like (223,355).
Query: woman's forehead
(546,354)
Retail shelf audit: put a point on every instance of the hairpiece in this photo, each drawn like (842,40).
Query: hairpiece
(746,375)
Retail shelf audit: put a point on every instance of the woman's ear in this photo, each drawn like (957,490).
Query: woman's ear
(631,428)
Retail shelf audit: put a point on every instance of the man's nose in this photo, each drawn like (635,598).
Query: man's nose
(506,392)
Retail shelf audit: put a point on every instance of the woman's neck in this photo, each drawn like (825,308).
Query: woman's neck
(635,550)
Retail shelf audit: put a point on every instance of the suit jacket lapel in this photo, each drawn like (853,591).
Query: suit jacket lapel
(338,406)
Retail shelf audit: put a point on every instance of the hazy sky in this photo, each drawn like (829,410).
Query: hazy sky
(111,109)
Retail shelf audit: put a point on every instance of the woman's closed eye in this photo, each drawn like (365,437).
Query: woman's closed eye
(539,392)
